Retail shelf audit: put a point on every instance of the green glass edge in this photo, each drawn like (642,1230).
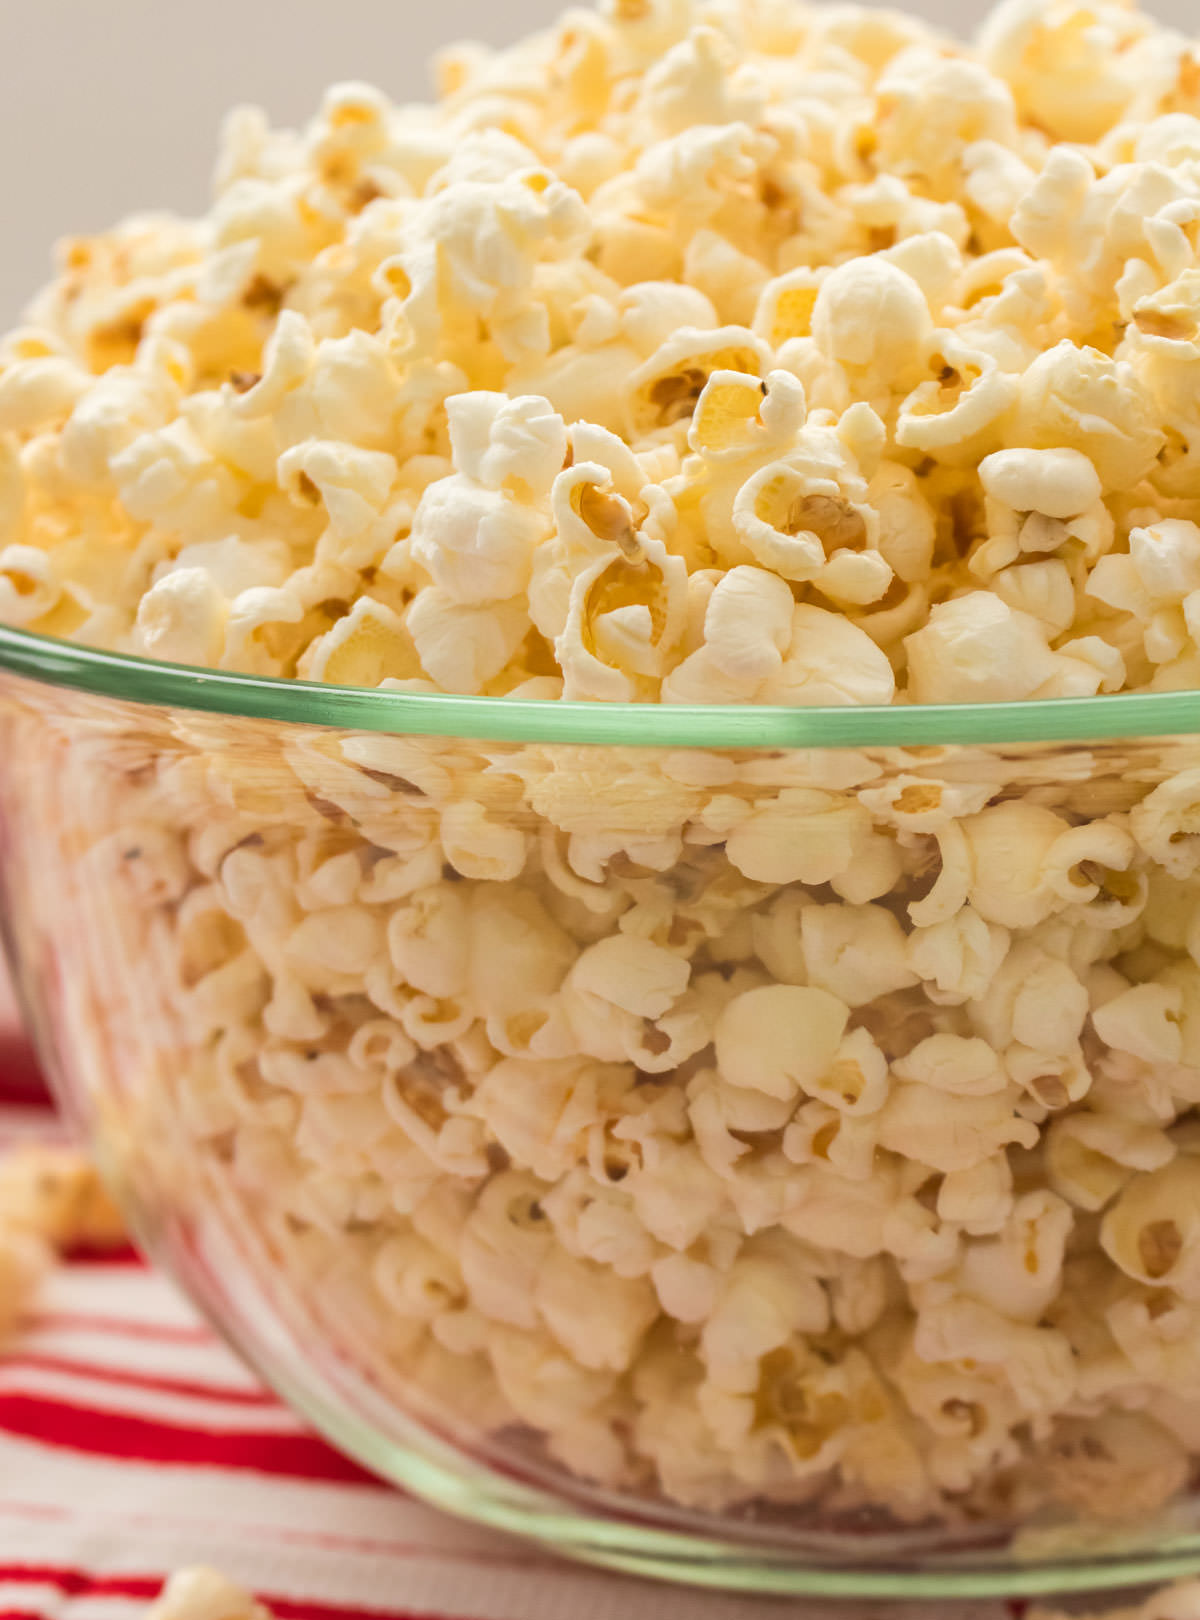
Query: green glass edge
(140,680)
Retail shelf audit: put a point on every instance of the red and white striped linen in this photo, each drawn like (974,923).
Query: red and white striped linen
(133,1443)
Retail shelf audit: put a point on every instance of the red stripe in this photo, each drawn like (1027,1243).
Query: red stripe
(78,1583)
(20,1080)
(134,1439)
(121,1327)
(123,1254)
(136,1380)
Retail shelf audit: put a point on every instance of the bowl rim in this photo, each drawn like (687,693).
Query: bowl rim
(79,668)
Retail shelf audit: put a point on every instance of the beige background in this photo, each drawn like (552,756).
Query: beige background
(112,105)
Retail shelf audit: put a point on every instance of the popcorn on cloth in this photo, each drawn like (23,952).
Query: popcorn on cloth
(205,1594)
(51,1200)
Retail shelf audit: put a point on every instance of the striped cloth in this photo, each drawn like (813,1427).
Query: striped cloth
(133,1443)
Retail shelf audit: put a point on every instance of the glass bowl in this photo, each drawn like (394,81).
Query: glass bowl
(749,1146)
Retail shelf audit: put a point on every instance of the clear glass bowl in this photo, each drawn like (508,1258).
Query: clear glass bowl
(755,1147)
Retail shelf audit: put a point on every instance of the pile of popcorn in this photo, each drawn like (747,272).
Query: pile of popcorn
(721,351)
(814,1128)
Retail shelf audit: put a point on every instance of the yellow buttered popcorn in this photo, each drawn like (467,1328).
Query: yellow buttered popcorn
(905,324)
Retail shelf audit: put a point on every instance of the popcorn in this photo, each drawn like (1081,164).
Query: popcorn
(872,321)
(780,1039)
(959,411)
(1079,399)
(204,1594)
(950,1132)
(801,1130)
(56,1195)
(1058,483)
(51,1200)
(976,648)
(1151,1231)
(390,341)
(1066,63)
(24,1261)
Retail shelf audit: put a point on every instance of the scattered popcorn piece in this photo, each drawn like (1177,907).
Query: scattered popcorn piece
(24,1261)
(56,1194)
(204,1594)
(51,1200)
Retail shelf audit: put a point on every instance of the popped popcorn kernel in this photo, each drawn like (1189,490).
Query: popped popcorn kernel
(204,1594)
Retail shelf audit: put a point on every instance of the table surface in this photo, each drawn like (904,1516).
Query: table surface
(133,1443)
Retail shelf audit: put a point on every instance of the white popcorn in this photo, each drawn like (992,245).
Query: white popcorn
(500,443)
(651,312)
(1166,824)
(633,974)
(368,646)
(665,389)
(1153,1229)
(960,410)
(780,1039)
(950,1132)
(974,649)
(29,589)
(803,835)
(39,392)
(1090,1157)
(857,953)
(428,941)
(1072,80)
(1058,483)
(960,956)
(1079,399)
(747,629)
(1144,1021)
(182,618)
(1036,1362)
(54,1195)
(978,1199)
(204,1594)
(762,1301)
(1019,1272)
(964,1067)
(594,1314)
(463,647)
(778,1130)
(503,1244)
(872,319)
(829,661)
(1010,849)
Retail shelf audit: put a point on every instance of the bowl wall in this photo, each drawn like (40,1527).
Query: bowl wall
(771,1167)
